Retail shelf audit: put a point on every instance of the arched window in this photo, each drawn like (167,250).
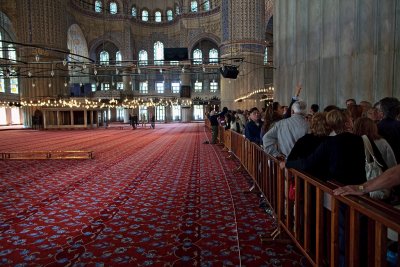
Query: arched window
(2,89)
(12,55)
(213,55)
(14,85)
(170,15)
(206,5)
(157,16)
(197,56)
(98,6)
(266,56)
(134,12)
(104,58)
(145,15)
(113,8)
(158,53)
(118,58)
(143,59)
(193,6)
(1,46)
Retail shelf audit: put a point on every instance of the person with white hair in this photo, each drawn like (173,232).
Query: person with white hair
(280,139)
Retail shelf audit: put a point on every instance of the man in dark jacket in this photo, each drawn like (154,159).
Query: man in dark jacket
(389,127)
(213,117)
(253,126)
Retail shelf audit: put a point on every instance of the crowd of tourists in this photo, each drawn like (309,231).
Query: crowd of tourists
(325,143)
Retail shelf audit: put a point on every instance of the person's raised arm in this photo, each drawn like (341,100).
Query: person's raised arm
(386,180)
(294,99)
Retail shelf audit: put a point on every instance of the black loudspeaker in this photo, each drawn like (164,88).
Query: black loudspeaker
(230,72)
(176,54)
(185,91)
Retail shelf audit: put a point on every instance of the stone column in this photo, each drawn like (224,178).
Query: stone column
(186,114)
(43,29)
(243,35)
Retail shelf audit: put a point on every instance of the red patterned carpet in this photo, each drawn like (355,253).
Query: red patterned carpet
(149,198)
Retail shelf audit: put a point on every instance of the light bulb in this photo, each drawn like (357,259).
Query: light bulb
(37,58)
(95,72)
(65,84)
(52,73)
(49,85)
(29,74)
(138,71)
(64,62)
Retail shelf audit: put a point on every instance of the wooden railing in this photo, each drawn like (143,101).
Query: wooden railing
(327,229)
(66,154)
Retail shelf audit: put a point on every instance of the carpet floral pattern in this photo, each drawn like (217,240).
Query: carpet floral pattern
(148,198)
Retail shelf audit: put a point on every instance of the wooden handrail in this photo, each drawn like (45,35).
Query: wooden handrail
(313,219)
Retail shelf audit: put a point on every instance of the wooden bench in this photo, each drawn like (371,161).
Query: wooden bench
(66,154)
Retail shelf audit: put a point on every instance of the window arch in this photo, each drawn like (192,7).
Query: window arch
(104,58)
(98,6)
(213,55)
(157,16)
(134,12)
(143,58)
(197,56)
(158,53)
(145,15)
(206,5)
(118,58)
(170,15)
(266,56)
(193,6)
(113,8)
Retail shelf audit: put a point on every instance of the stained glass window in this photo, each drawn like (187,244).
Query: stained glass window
(118,58)
(134,12)
(143,59)
(206,5)
(98,6)
(213,55)
(145,15)
(104,58)
(193,6)
(158,16)
(113,8)
(169,15)
(158,53)
(197,56)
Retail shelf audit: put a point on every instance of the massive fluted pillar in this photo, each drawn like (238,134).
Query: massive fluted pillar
(43,25)
(337,50)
